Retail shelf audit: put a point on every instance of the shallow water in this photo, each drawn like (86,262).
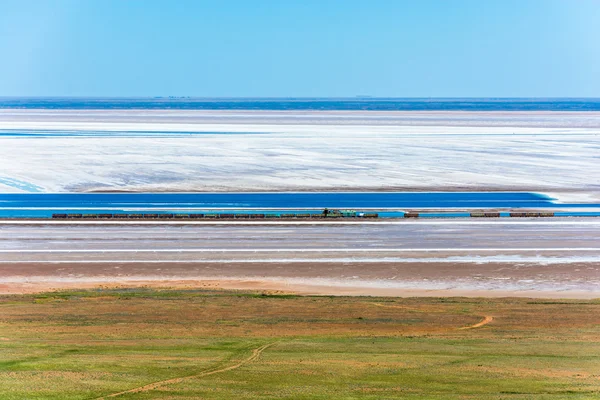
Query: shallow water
(391,203)
(375,104)
(395,200)
(118,134)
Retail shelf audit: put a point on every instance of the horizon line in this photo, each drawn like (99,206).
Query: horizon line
(357,97)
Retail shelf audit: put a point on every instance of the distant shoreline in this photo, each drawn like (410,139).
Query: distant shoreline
(360,103)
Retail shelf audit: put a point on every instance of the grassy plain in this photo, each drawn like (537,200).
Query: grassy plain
(201,344)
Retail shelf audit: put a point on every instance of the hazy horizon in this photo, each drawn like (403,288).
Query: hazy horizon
(308,49)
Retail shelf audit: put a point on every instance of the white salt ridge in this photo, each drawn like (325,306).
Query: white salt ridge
(518,259)
(301,250)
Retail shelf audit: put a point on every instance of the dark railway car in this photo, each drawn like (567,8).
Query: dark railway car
(333,214)
(411,215)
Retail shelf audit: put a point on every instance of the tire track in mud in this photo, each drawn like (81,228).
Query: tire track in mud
(255,354)
(486,319)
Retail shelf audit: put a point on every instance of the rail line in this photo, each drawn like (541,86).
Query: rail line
(470,221)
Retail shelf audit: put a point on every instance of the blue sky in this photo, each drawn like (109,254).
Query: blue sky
(325,48)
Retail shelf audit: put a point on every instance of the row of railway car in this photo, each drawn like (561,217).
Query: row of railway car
(494,214)
(218,216)
(323,215)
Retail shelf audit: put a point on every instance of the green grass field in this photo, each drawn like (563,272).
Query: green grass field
(195,344)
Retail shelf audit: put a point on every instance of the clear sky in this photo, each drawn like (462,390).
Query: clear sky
(325,48)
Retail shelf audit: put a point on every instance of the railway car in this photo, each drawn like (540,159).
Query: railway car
(518,214)
(491,214)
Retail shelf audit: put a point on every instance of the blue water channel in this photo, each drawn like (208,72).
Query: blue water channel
(101,134)
(389,204)
(345,104)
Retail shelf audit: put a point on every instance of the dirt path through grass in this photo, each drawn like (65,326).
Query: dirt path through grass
(486,320)
(255,354)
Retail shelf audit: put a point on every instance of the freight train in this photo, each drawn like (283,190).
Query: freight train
(491,214)
(324,214)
